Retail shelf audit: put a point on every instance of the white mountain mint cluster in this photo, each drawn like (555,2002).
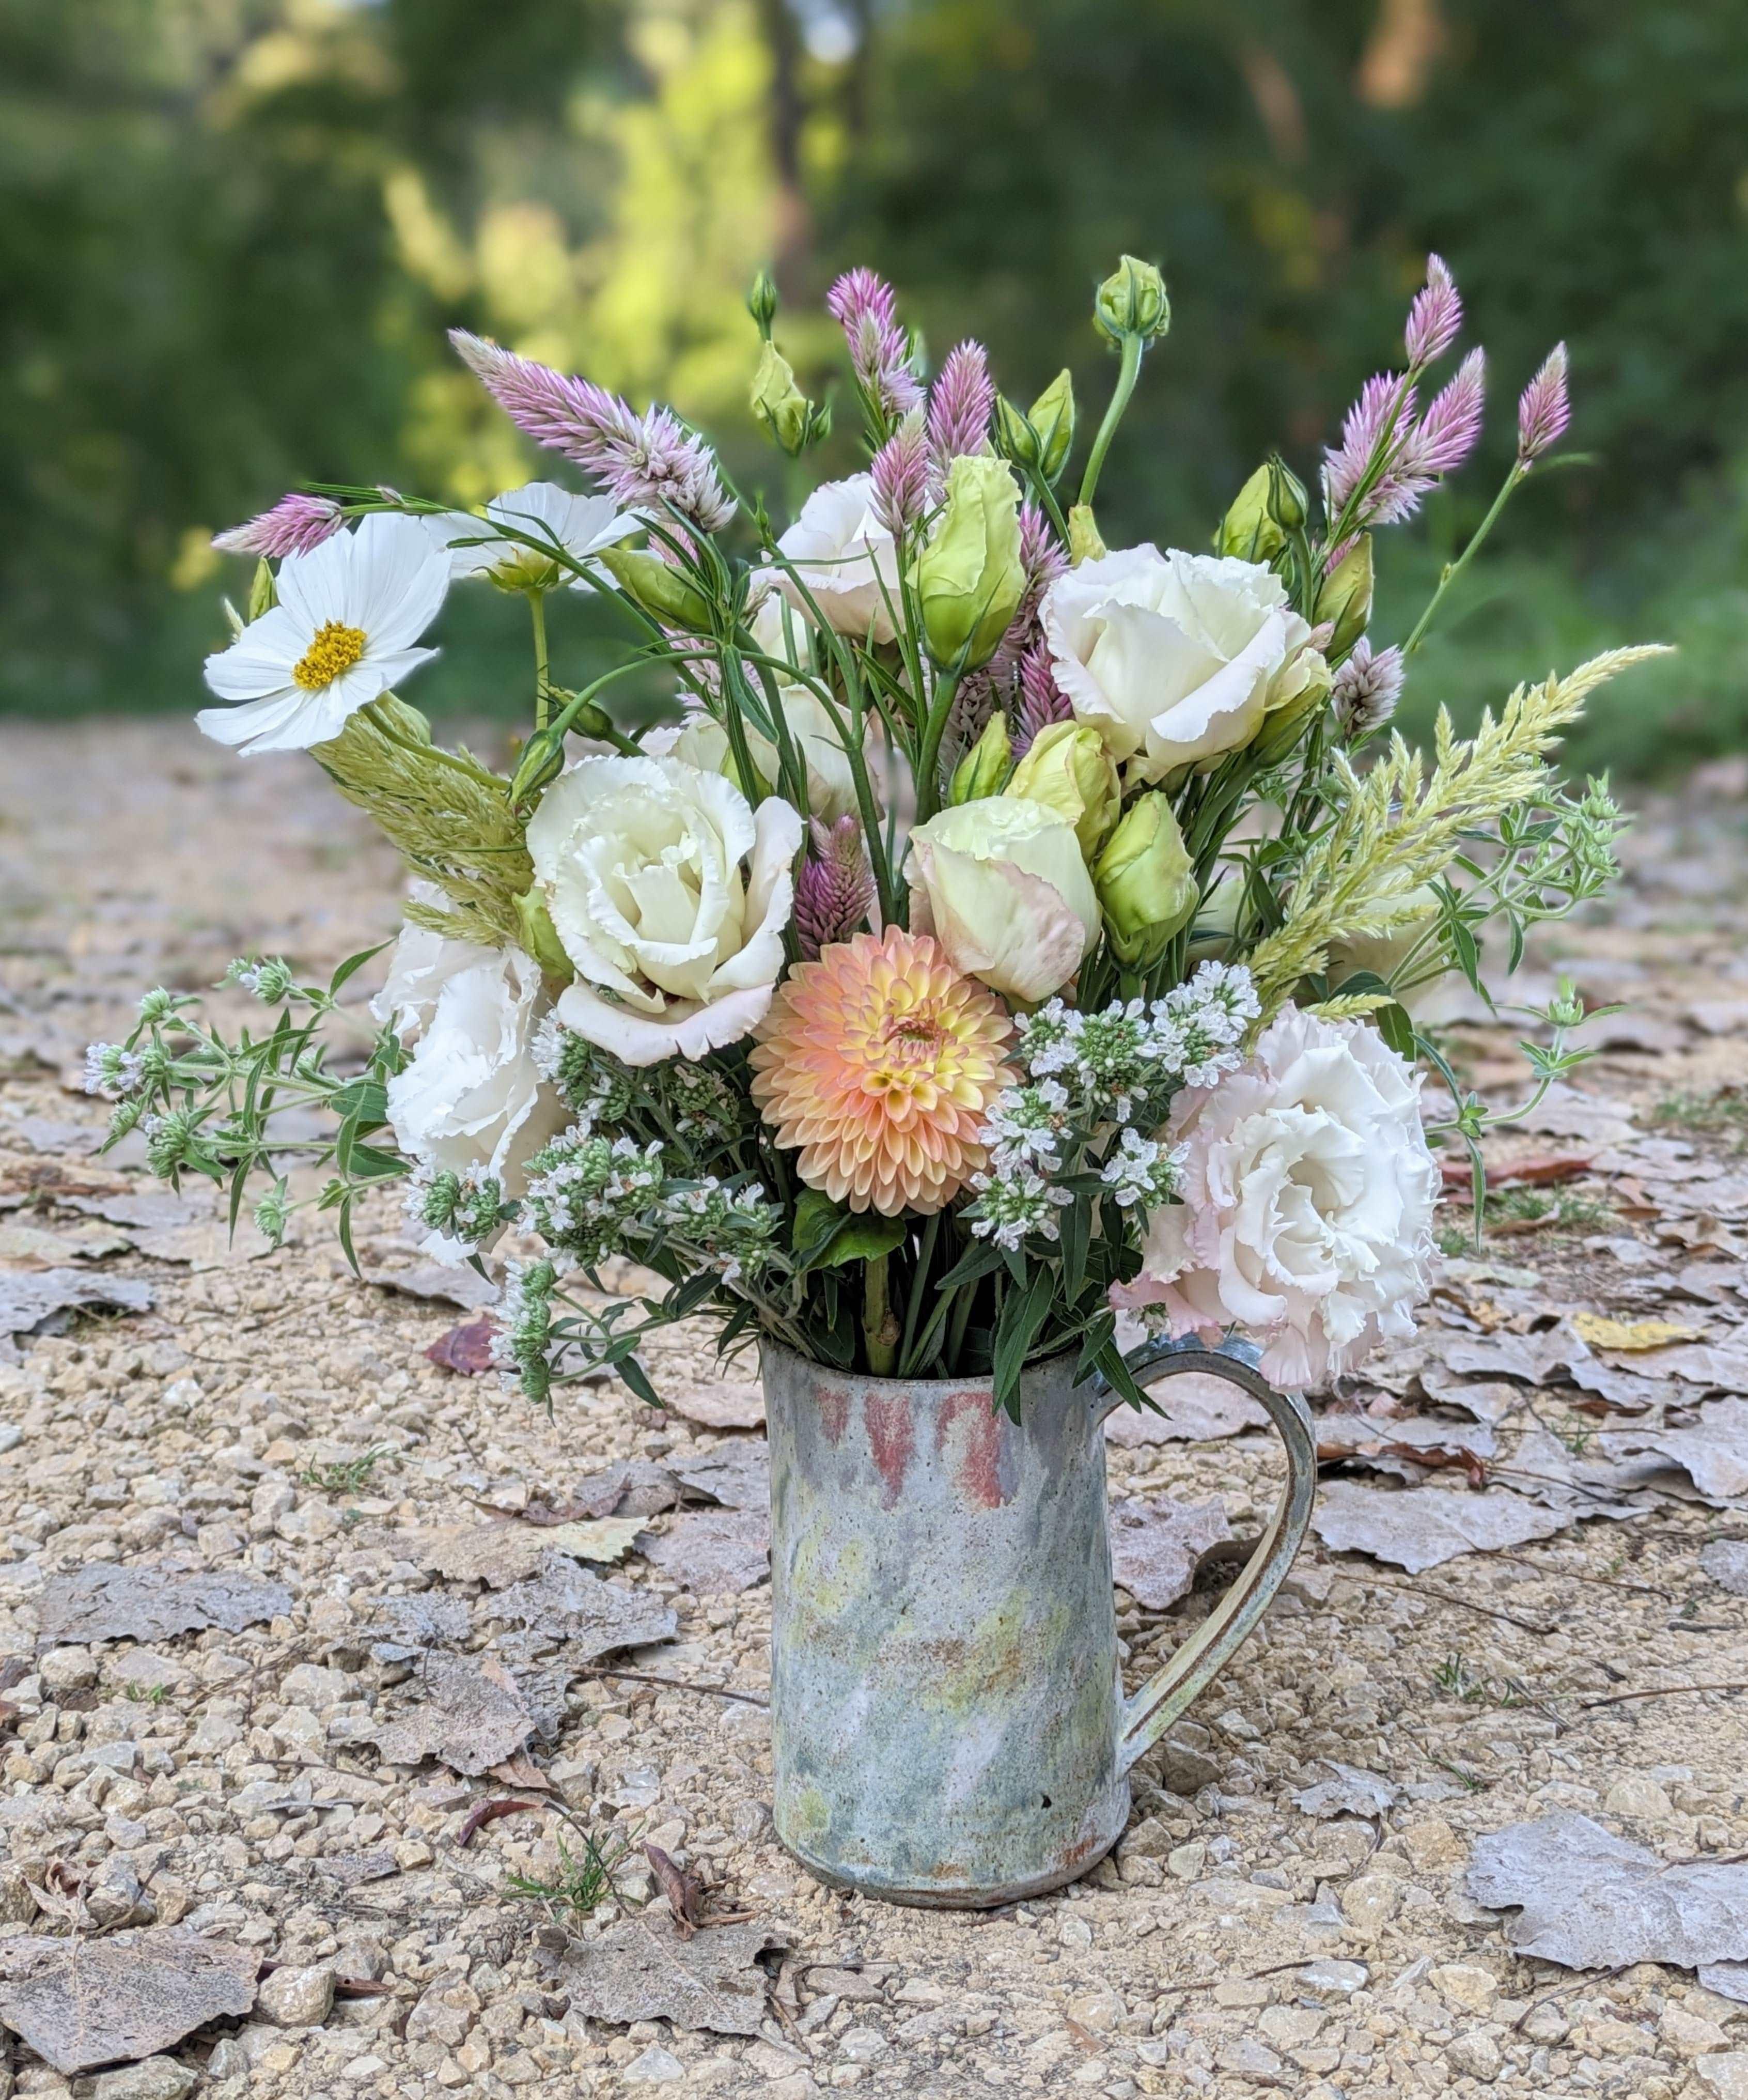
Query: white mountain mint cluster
(113,1071)
(468,1207)
(1098,1087)
(589,1194)
(691,1100)
(522,1344)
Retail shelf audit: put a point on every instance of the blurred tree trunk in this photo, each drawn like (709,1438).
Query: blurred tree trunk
(787,112)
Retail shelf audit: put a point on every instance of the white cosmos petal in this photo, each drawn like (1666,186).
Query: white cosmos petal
(257,724)
(260,660)
(312,587)
(401,580)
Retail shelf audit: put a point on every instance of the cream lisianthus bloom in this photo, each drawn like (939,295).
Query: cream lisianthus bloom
(581,525)
(471,1097)
(846,559)
(1001,883)
(1307,1194)
(349,614)
(1175,659)
(701,740)
(669,893)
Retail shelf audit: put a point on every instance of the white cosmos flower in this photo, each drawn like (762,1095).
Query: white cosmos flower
(669,893)
(349,614)
(845,558)
(581,525)
(1307,1202)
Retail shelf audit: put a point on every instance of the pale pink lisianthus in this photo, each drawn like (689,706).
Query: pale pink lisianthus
(1308,1191)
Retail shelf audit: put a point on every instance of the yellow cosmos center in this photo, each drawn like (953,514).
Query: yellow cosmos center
(333,649)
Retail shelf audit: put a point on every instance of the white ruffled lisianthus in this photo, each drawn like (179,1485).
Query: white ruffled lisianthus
(846,559)
(1175,659)
(1002,884)
(542,511)
(349,614)
(669,894)
(471,1100)
(1307,1192)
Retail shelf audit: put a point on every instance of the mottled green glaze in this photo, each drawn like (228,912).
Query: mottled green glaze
(947,1715)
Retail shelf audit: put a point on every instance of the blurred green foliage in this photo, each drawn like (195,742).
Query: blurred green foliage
(231,232)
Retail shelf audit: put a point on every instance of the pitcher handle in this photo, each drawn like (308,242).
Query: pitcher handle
(1146,1716)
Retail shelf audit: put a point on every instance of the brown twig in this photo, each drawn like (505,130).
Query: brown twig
(1466,1603)
(1566,1990)
(1573,1575)
(675,1684)
(1662,1691)
(488,1811)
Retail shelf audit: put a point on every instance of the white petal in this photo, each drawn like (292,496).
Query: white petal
(260,660)
(279,722)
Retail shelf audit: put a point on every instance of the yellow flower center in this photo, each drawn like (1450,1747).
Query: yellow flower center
(333,649)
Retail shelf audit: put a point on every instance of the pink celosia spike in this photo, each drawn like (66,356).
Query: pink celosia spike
(295,524)
(1435,316)
(961,404)
(880,351)
(1545,407)
(900,474)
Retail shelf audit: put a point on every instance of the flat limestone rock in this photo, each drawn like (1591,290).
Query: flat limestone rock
(1193,1408)
(642,1969)
(712,1553)
(501,1554)
(721,1403)
(1347,1791)
(1157,1547)
(80,2003)
(469,1715)
(28,1297)
(108,1602)
(1588,1900)
(737,1474)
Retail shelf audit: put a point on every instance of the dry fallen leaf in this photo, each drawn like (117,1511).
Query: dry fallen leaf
(80,2003)
(400,1629)
(1591,1900)
(1713,1452)
(712,1553)
(1157,1547)
(590,1615)
(108,1602)
(646,1970)
(1193,1408)
(466,1348)
(1725,1560)
(737,1474)
(500,1554)
(1418,1528)
(470,1715)
(1603,1333)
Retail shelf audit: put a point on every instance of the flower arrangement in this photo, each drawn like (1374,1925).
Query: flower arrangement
(1008,931)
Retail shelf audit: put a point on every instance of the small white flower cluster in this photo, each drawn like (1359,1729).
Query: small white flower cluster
(269,978)
(733,1229)
(1014,1205)
(595,1088)
(468,1207)
(1117,1057)
(584,1190)
(1026,1126)
(1141,1173)
(522,1344)
(113,1071)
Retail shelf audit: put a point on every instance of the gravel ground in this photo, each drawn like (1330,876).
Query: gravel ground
(227,1781)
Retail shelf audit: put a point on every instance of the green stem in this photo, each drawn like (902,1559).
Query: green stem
(1127,374)
(537,607)
(1455,569)
(929,754)
(913,1309)
(879,1330)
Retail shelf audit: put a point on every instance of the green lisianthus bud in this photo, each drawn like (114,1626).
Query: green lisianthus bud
(761,303)
(779,403)
(1247,530)
(982,769)
(1287,497)
(1144,882)
(1051,415)
(665,592)
(1299,694)
(1069,770)
(1015,438)
(1084,542)
(1345,599)
(539,937)
(969,578)
(1131,302)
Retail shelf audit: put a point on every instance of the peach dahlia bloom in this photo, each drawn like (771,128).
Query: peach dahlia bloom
(879,1062)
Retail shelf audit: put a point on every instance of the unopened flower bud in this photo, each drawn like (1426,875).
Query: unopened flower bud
(762,303)
(984,768)
(1068,769)
(1345,599)
(662,591)
(1145,883)
(1247,531)
(1287,497)
(539,937)
(1084,542)
(1565,1009)
(1298,699)
(1015,438)
(1131,302)
(1051,415)
(969,579)
(779,403)
(263,593)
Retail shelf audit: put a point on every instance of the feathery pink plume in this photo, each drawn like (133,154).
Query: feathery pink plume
(961,404)
(1435,316)
(864,307)
(1448,429)
(651,461)
(834,893)
(295,524)
(899,471)
(1041,701)
(1376,421)
(1366,689)
(1544,409)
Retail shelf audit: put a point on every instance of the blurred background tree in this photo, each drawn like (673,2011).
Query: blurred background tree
(231,232)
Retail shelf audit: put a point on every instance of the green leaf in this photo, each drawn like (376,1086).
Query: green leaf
(827,1234)
(1021,1318)
(1397,1030)
(978,1260)
(354,964)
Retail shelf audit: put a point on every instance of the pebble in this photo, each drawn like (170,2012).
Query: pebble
(656,2066)
(1725,2076)
(1474,2055)
(1639,1798)
(297,1997)
(153,2078)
